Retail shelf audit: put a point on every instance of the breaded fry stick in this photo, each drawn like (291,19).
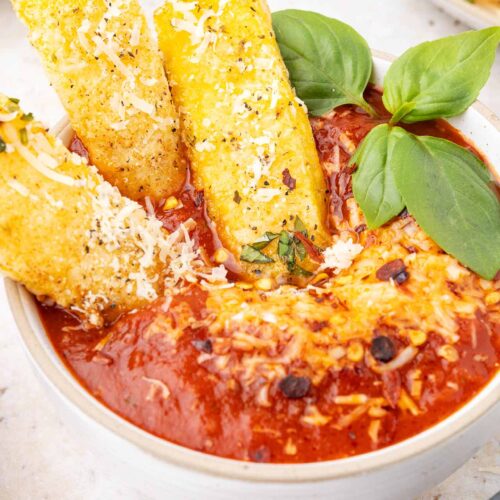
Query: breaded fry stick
(67,234)
(248,137)
(103,63)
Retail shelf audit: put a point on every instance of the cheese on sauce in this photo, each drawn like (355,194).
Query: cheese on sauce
(260,337)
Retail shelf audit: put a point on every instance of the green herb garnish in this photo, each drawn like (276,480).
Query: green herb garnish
(254,256)
(442,78)
(3,146)
(290,249)
(285,248)
(296,270)
(27,117)
(299,226)
(448,191)
(23,135)
(264,241)
(443,186)
(373,185)
(328,61)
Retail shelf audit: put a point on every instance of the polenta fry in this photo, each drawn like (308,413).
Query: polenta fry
(103,63)
(66,233)
(249,140)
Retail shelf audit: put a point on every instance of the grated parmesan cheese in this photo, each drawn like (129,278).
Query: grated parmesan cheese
(340,255)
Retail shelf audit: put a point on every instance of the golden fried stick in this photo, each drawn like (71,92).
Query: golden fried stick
(249,140)
(66,233)
(103,63)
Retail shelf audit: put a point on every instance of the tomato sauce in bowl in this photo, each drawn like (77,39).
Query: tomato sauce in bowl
(190,387)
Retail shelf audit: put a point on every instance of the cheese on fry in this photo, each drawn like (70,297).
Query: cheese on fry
(66,233)
(103,63)
(248,137)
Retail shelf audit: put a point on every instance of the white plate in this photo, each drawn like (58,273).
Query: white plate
(475,16)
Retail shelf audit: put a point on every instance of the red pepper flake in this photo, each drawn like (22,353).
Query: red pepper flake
(391,387)
(311,250)
(288,180)
(317,326)
(77,146)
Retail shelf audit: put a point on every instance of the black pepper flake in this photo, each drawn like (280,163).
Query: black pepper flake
(288,180)
(383,349)
(294,387)
(401,277)
(395,270)
(261,454)
(203,345)
(237,197)
(198,199)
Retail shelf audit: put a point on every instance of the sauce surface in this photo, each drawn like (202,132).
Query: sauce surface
(179,387)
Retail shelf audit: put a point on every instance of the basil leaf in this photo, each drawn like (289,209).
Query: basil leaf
(254,256)
(328,61)
(265,241)
(449,192)
(441,78)
(300,249)
(299,226)
(285,249)
(296,270)
(373,182)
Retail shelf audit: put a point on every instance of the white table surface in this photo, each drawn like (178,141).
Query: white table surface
(40,455)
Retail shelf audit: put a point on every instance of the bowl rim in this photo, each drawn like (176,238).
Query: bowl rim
(69,389)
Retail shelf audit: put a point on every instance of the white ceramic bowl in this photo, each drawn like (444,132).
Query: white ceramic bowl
(164,470)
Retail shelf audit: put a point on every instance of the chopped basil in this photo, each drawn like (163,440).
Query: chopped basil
(290,249)
(15,100)
(299,226)
(3,146)
(285,249)
(27,117)
(254,256)
(300,249)
(23,135)
(264,241)
(296,270)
